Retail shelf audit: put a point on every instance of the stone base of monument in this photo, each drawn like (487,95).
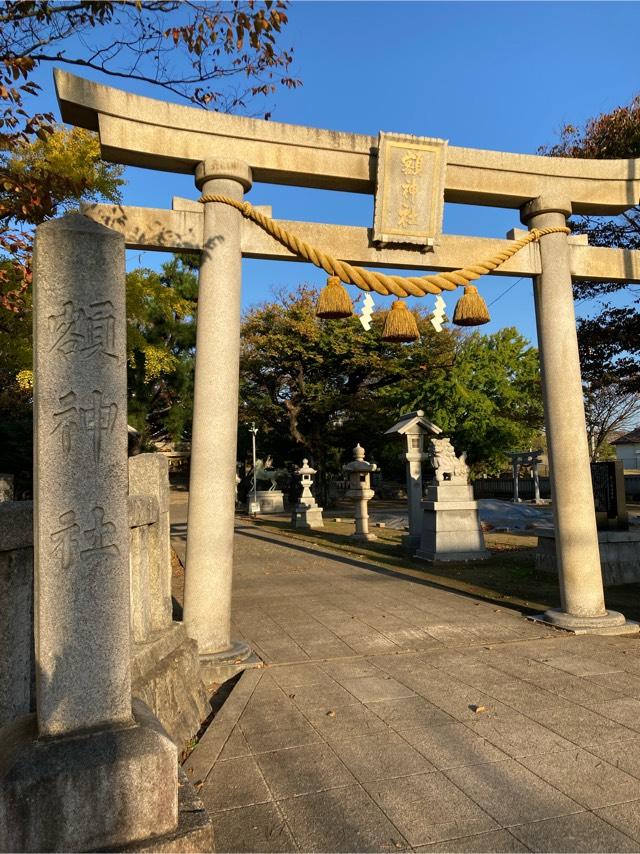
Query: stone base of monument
(219,666)
(86,791)
(304,516)
(165,674)
(611,623)
(270,501)
(194,831)
(619,555)
(450,525)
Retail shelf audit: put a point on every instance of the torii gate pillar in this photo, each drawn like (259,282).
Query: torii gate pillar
(578,556)
(210,527)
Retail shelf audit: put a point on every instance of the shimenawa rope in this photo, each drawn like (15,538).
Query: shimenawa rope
(368,280)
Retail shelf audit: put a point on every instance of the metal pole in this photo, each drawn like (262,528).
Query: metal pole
(254,431)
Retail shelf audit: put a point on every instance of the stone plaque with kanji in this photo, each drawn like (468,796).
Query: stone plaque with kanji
(409,199)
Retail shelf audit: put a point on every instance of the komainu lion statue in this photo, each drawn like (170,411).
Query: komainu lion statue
(447,466)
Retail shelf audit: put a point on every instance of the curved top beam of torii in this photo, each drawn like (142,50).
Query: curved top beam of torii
(139,131)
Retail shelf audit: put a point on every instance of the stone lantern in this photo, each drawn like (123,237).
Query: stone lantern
(359,472)
(306,513)
(414,427)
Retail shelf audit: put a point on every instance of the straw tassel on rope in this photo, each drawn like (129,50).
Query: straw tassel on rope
(471,309)
(334,301)
(400,325)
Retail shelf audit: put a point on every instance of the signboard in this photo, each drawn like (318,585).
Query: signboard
(608,493)
(409,201)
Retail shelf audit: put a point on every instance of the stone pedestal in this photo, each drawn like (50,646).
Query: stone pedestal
(451,526)
(269,500)
(99,789)
(306,517)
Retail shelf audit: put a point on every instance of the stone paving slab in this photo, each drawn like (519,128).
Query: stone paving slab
(491,843)
(394,715)
(579,832)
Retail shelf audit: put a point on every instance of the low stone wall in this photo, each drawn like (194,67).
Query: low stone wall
(619,555)
(17,662)
(165,669)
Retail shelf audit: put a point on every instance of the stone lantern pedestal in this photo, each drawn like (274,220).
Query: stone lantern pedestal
(306,513)
(359,473)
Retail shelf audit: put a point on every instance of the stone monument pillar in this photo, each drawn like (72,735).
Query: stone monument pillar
(359,472)
(451,526)
(85,772)
(306,513)
(209,558)
(581,590)
(414,426)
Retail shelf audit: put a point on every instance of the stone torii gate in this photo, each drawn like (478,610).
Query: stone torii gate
(225,154)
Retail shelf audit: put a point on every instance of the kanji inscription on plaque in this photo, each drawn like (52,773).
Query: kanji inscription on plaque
(409,199)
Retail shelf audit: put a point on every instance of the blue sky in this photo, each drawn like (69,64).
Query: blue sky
(502,75)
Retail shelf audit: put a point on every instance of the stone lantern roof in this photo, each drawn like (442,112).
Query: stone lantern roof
(359,463)
(413,422)
(305,468)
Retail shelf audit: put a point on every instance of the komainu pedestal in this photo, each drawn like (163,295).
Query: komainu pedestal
(450,523)
(269,500)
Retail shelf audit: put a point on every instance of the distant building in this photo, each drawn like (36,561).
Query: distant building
(628,450)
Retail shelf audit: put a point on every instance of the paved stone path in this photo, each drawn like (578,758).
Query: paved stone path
(394,715)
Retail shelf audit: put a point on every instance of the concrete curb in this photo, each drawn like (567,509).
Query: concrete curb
(200,762)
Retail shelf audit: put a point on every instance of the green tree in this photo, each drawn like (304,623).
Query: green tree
(492,403)
(317,387)
(161,315)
